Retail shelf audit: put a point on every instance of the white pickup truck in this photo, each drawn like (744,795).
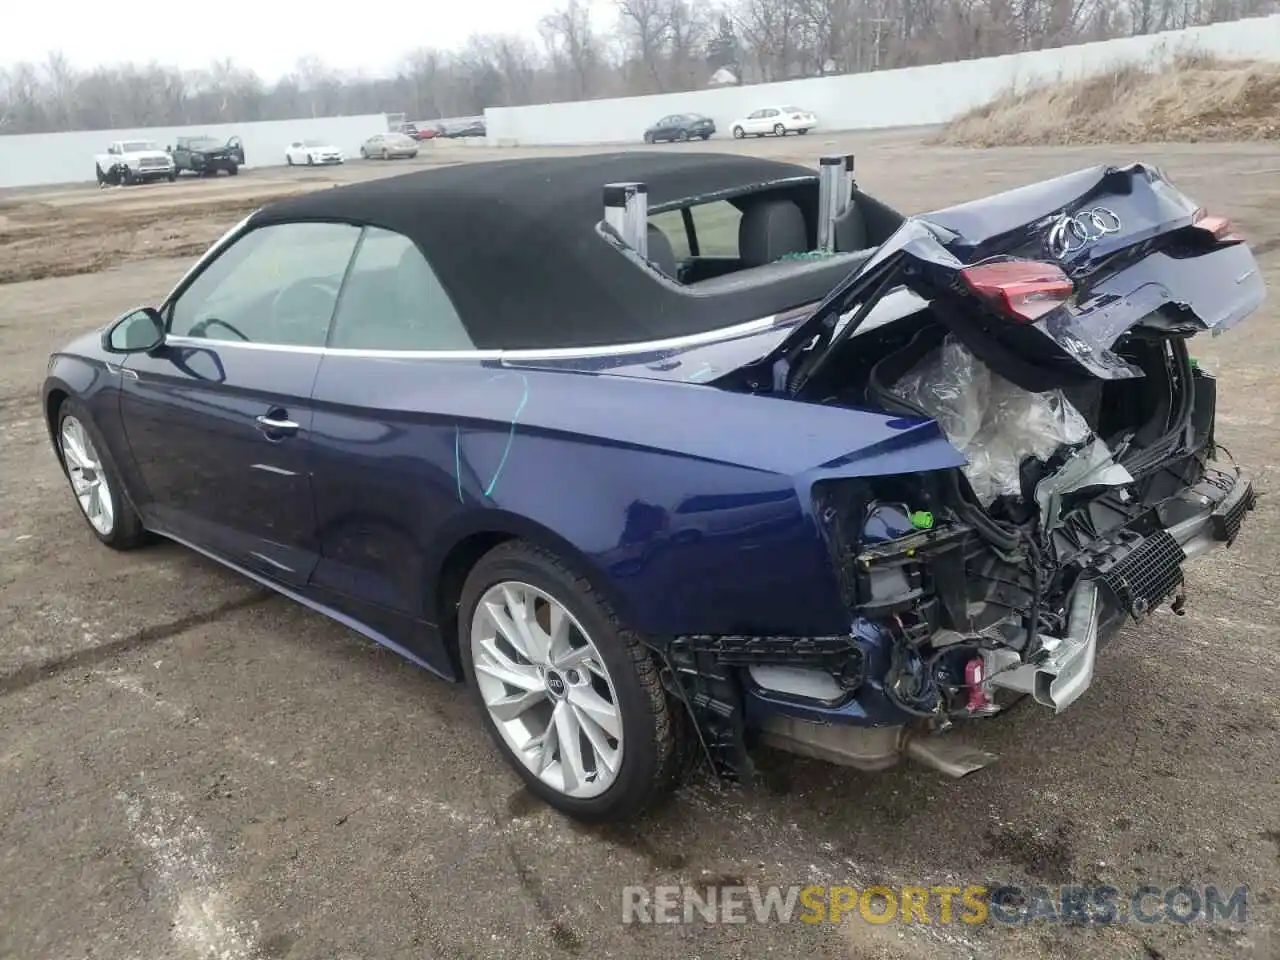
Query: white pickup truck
(134,161)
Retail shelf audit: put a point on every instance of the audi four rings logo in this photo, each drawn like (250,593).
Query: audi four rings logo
(1072,233)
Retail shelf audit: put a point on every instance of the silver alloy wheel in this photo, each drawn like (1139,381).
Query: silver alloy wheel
(547,689)
(88,479)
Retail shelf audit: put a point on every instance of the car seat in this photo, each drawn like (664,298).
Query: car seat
(770,229)
(661,254)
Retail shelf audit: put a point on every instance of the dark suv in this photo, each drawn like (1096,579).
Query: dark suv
(207,155)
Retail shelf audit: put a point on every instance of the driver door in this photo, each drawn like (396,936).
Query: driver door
(219,418)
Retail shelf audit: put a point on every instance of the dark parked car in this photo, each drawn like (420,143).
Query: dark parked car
(206,155)
(729,459)
(681,126)
(467,128)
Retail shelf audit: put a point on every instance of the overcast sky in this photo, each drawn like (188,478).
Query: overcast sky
(267,35)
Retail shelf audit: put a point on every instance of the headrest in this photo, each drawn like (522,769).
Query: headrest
(770,229)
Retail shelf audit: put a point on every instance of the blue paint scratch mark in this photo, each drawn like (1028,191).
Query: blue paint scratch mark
(511,435)
(457,461)
(506,450)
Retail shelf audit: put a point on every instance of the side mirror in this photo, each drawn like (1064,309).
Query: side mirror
(138,331)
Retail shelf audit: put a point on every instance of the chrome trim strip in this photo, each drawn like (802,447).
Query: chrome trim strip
(270,469)
(275,563)
(558,353)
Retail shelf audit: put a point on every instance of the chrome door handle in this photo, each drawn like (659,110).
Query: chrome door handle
(281,425)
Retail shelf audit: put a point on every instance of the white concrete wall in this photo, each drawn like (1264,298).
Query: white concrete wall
(889,98)
(47,158)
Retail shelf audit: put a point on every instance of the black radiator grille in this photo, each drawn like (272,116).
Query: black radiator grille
(1227,523)
(1147,575)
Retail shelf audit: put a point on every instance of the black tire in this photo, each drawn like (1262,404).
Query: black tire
(648,138)
(127,533)
(650,725)
(102,177)
(803,131)
(311,160)
(364,154)
(173,176)
(233,170)
(779,130)
(128,177)
(682,136)
(738,133)
(706,136)
(288,159)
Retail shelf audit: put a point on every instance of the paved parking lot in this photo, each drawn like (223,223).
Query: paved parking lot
(193,768)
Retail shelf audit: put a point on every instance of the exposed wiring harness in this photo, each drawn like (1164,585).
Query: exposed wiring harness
(1008,541)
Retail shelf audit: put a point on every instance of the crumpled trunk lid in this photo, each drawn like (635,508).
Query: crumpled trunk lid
(1132,245)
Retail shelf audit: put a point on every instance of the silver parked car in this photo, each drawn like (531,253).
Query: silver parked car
(384,146)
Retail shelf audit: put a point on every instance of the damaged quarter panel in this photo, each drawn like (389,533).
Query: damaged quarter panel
(689,506)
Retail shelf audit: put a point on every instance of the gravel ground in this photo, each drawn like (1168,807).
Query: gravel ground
(193,768)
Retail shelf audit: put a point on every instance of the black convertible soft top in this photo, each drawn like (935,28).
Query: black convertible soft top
(515,243)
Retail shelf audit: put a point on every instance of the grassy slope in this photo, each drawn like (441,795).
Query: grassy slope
(1190,99)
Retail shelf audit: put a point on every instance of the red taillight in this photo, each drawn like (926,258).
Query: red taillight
(1022,289)
(1221,228)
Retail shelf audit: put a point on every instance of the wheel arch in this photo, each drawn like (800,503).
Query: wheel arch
(53,401)
(461,549)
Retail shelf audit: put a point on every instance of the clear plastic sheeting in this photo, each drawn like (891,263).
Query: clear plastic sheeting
(994,423)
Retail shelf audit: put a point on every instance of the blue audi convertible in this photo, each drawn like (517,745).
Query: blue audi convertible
(668,455)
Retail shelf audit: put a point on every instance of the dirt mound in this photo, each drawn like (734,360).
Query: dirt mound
(59,234)
(1189,99)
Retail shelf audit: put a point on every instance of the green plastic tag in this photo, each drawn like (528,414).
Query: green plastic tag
(922,519)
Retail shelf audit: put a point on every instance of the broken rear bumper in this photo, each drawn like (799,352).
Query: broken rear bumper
(829,702)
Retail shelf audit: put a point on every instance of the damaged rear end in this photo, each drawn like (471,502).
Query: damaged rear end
(1049,333)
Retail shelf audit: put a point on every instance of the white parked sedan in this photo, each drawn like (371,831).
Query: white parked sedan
(312,152)
(778,121)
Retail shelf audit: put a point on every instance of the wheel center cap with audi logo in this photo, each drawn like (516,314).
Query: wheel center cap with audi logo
(555,685)
(1071,233)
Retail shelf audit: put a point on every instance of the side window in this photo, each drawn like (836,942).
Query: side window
(393,300)
(716,226)
(276,285)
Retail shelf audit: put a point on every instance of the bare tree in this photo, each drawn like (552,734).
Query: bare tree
(647,26)
(421,72)
(572,44)
(689,32)
(659,45)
